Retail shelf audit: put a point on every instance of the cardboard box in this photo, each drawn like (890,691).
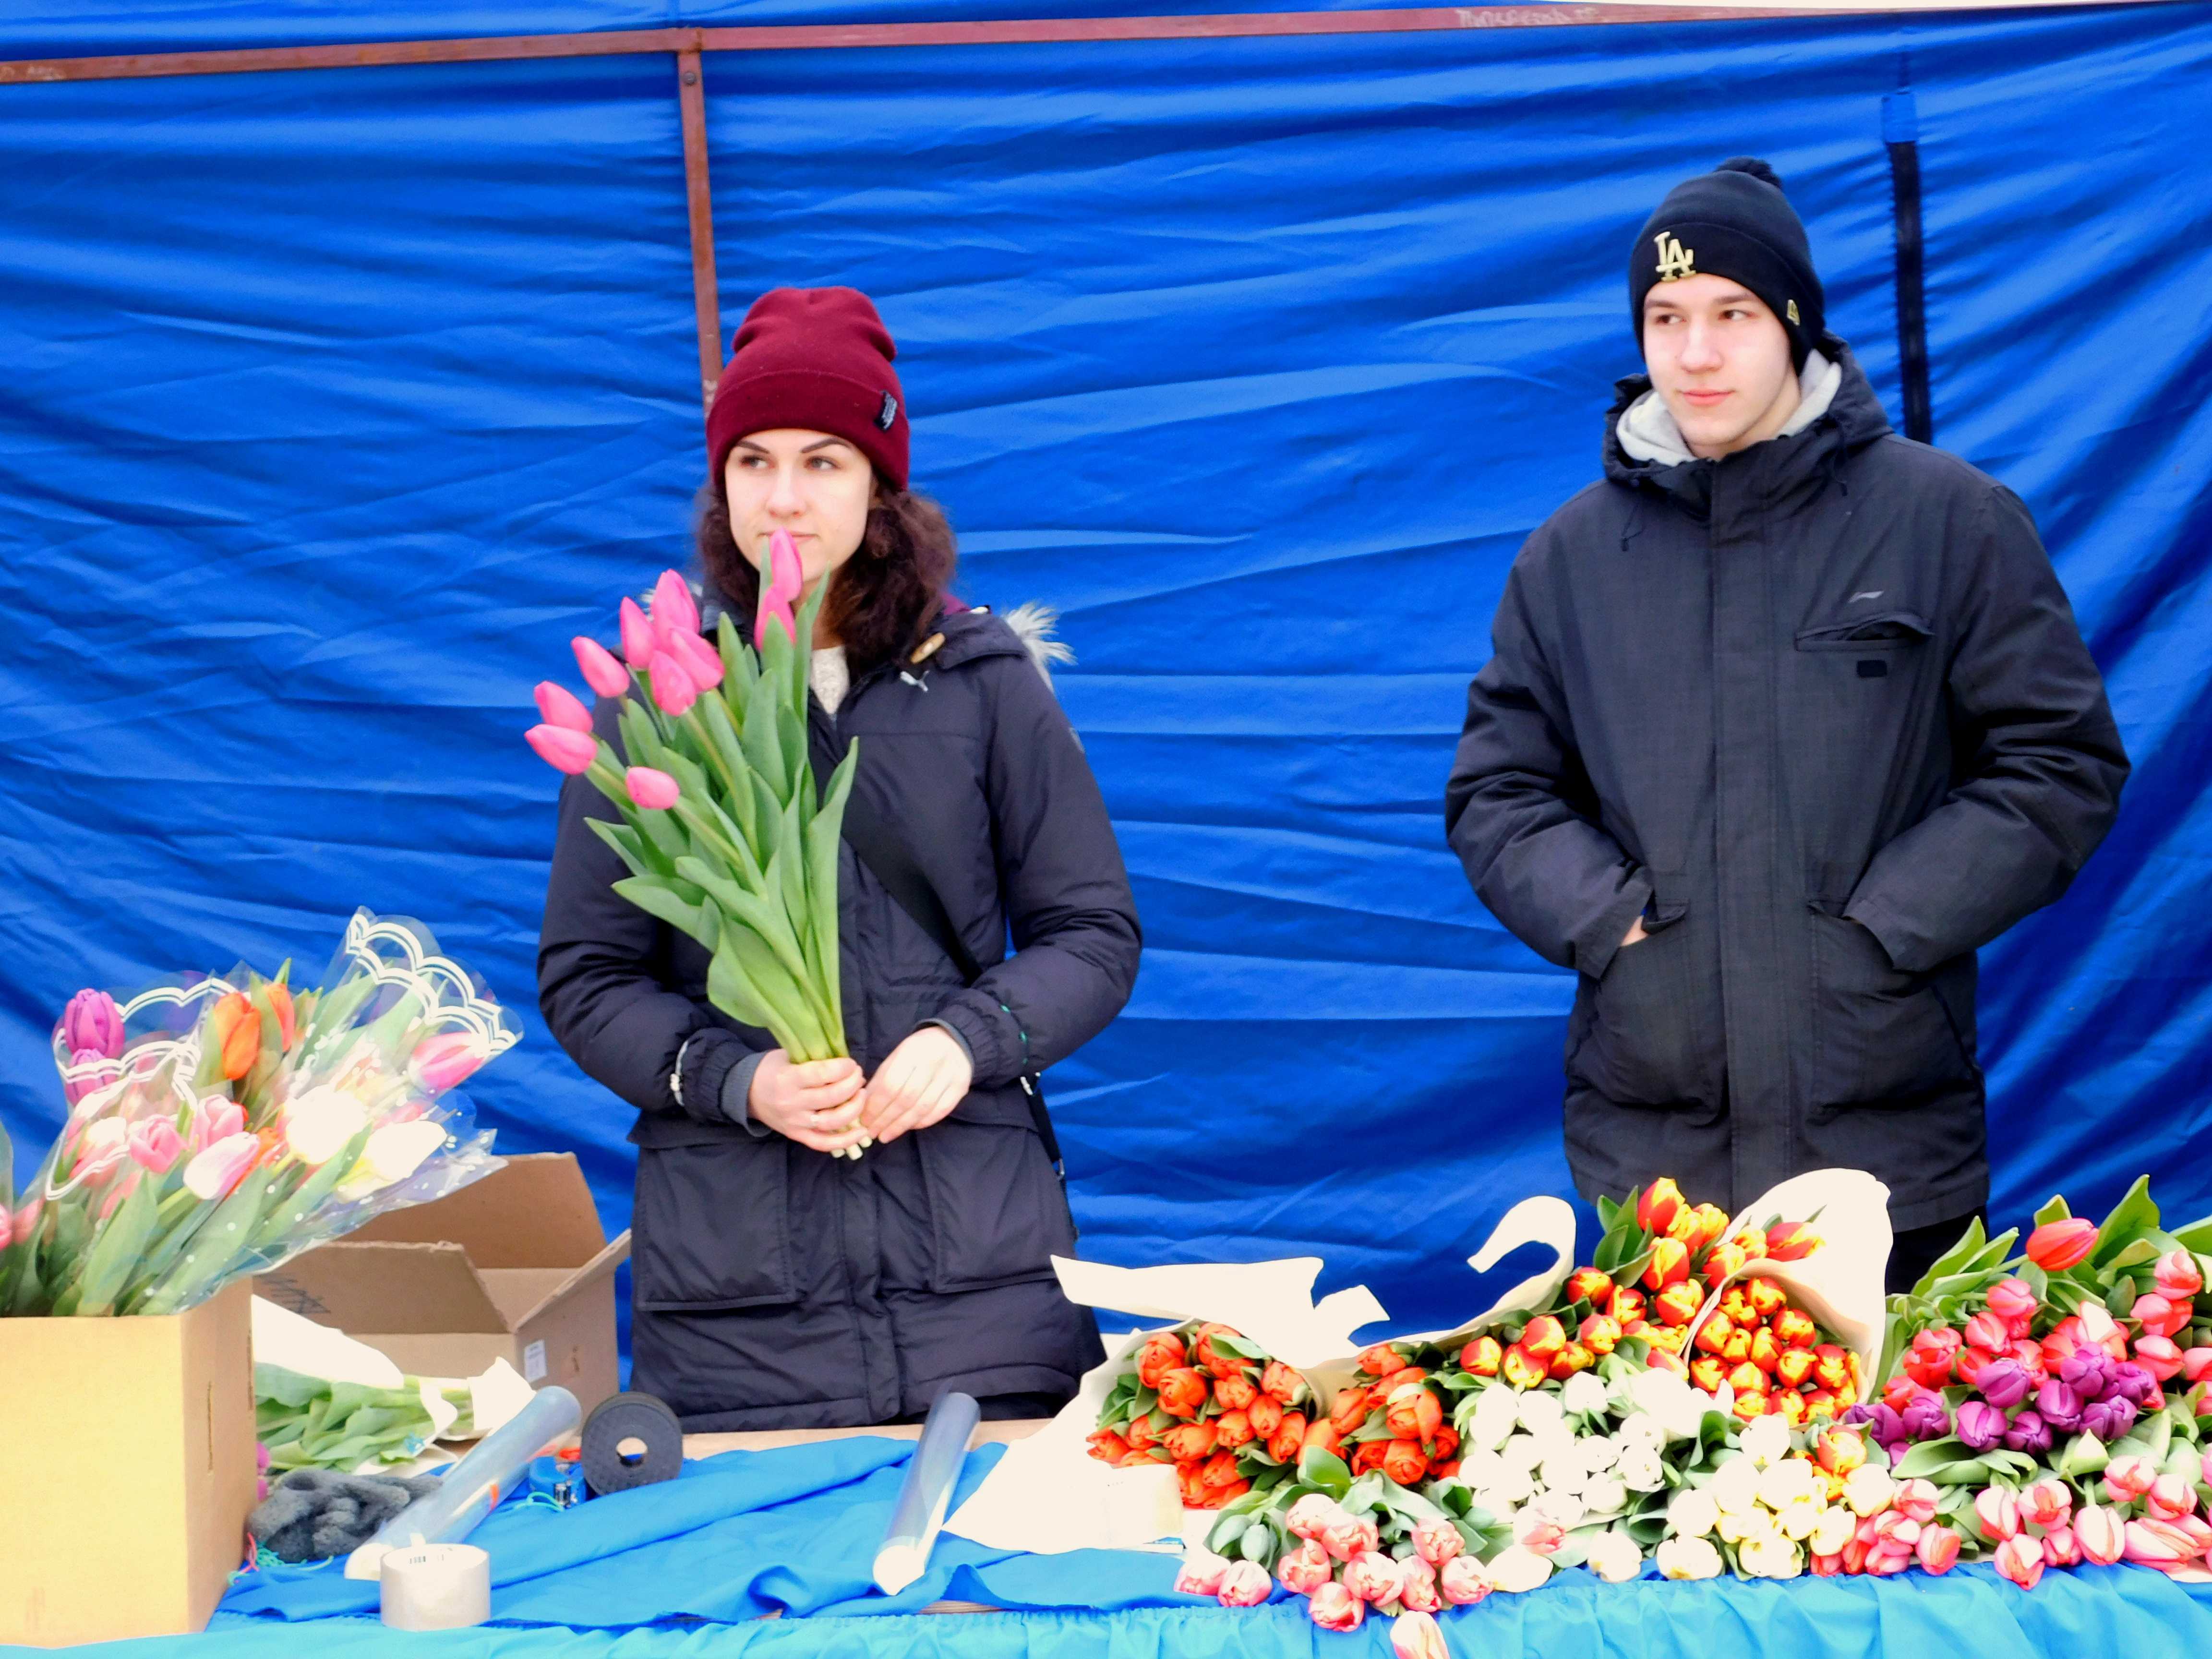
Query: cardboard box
(514,1266)
(128,1448)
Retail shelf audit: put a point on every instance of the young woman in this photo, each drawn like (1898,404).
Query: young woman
(777,1283)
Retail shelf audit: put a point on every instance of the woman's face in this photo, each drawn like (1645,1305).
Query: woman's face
(815,486)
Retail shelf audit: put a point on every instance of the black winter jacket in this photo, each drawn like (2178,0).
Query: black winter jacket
(774,1286)
(1819,712)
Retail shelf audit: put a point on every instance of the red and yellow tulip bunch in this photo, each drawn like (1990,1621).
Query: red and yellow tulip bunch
(1774,1357)
(1206,1399)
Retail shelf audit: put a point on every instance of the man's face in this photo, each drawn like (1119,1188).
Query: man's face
(1720,359)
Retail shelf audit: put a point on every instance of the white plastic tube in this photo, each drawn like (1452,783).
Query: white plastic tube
(497,1465)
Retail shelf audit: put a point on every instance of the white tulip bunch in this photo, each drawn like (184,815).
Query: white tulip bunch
(1567,1470)
(1770,1505)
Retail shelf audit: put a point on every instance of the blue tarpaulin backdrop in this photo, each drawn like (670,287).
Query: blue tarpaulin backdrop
(334,402)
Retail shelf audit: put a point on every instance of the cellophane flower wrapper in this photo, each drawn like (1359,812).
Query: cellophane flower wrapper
(220,1125)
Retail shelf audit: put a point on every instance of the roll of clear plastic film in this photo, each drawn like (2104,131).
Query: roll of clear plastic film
(435,1587)
(497,1466)
(930,1478)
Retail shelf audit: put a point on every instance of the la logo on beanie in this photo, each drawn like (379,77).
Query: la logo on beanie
(1676,261)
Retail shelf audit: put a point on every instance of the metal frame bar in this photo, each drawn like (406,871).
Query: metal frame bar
(688,44)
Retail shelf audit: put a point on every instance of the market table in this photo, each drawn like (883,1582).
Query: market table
(763,1548)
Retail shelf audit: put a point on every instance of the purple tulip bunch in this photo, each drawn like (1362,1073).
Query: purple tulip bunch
(1990,1418)
(1923,1417)
(2095,1394)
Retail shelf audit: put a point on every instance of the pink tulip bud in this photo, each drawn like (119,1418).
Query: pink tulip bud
(93,1022)
(1938,1549)
(1246,1585)
(1201,1574)
(1437,1541)
(2160,1544)
(2170,1498)
(1305,1569)
(672,605)
(2047,1503)
(2159,1356)
(2020,1559)
(1415,1636)
(655,790)
(2098,1531)
(557,706)
(672,690)
(2097,1322)
(445,1060)
(1312,1515)
(785,581)
(1462,1581)
(2061,1549)
(2178,1276)
(562,749)
(1916,1500)
(1998,1511)
(2127,1478)
(1419,1594)
(2196,1366)
(1335,1607)
(637,642)
(2159,1316)
(26,1222)
(701,660)
(156,1144)
(214,1172)
(216,1118)
(2014,1302)
(1986,1331)
(601,671)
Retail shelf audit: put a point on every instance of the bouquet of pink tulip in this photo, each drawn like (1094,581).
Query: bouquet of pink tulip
(724,832)
(219,1125)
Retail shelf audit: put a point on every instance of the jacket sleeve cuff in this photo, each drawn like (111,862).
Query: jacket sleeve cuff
(988,1033)
(737,1094)
(717,1070)
(1595,949)
(1896,941)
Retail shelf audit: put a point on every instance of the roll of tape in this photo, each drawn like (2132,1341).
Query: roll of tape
(435,1587)
(631,1440)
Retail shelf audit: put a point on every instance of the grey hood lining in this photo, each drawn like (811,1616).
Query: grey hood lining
(1648,432)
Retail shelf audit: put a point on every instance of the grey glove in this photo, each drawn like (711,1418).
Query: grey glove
(313,1515)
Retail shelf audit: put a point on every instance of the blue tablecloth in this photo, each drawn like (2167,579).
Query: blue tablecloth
(698,1564)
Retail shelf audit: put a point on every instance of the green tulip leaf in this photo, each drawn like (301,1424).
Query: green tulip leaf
(1325,1470)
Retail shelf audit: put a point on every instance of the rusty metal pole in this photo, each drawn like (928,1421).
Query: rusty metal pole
(706,299)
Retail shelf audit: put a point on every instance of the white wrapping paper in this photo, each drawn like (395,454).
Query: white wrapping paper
(1049,1495)
(1840,1283)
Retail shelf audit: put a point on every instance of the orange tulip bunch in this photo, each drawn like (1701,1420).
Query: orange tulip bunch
(1397,1418)
(1226,1415)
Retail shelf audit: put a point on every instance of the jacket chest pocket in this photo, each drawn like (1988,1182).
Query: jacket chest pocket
(713,1226)
(1888,632)
(1881,1036)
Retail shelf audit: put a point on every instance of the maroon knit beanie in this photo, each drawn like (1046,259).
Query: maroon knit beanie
(818,359)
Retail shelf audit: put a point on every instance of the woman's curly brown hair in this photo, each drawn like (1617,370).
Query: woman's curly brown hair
(883,600)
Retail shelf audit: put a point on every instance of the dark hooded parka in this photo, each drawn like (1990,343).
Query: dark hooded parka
(1819,712)
(776,1286)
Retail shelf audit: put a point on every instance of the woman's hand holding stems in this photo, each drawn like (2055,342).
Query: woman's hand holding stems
(829,1106)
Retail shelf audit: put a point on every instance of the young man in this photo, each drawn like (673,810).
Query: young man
(1787,716)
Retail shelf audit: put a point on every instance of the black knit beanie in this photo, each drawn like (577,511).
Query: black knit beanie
(1733,221)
